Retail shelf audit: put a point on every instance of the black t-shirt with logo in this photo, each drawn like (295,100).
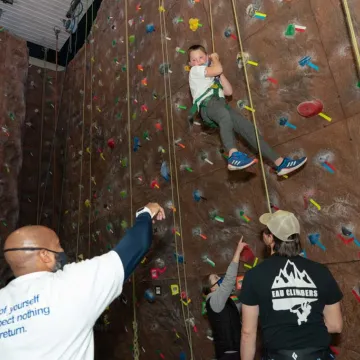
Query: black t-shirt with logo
(291,294)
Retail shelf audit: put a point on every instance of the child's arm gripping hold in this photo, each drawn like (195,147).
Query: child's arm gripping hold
(226,85)
(215,69)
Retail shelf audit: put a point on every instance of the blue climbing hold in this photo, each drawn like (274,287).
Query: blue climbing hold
(150,28)
(164,171)
(197,195)
(136,143)
(149,295)
(227,33)
(182,355)
(314,238)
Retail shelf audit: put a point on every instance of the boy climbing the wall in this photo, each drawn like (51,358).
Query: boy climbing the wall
(209,86)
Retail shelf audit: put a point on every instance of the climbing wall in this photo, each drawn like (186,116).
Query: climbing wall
(38,136)
(118,160)
(13,74)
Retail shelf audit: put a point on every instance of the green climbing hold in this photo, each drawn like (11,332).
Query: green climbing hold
(146,135)
(109,188)
(123,68)
(358,84)
(290,30)
(118,116)
(134,116)
(124,225)
(11,116)
(123,194)
(203,308)
(131,39)
(124,162)
(117,100)
(113,43)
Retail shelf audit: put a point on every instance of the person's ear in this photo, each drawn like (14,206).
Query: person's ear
(45,256)
(271,240)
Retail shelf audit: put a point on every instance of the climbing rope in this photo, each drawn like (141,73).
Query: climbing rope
(251,105)
(57,31)
(135,325)
(71,106)
(82,140)
(187,324)
(163,39)
(38,213)
(352,34)
(91,126)
(54,137)
(211,27)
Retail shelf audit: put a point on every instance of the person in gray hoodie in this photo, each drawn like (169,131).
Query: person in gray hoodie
(223,313)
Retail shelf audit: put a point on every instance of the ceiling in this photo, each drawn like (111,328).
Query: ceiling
(34,20)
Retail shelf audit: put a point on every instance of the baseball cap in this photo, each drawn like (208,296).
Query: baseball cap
(281,223)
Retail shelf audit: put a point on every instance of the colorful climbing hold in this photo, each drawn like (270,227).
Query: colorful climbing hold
(150,28)
(194,24)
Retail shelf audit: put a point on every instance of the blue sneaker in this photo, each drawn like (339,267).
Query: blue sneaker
(239,161)
(289,165)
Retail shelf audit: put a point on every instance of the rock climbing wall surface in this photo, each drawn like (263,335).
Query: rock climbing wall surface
(37,205)
(295,51)
(13,74)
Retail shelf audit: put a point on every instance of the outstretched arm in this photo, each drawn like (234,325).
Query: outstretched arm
(228,90)
(219,298)
(137,240)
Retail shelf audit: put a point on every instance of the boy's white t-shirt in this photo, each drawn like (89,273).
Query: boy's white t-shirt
(50,316)
(199,83)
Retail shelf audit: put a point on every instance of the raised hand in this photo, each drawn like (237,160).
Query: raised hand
(157,211)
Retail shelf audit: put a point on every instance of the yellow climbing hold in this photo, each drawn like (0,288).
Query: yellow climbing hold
(194,24)
(249,108)
(315,204)
(254,63)
(88,150)
(328,118)
(187,68)
(87,203)
(161,9)
(174,289)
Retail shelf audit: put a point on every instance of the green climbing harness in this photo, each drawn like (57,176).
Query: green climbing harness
(202,101)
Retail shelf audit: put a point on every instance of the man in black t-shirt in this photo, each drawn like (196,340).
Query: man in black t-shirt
(298,300)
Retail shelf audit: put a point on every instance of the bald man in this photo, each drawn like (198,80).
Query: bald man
(48,311)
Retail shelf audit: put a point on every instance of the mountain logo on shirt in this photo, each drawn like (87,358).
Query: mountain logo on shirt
(294,290)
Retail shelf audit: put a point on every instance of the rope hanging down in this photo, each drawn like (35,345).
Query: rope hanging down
(187,323)
(38,212)
(135,324)
(352,35)
(71,106)
(167,101)
(251,105)
(82,141)
(91,126)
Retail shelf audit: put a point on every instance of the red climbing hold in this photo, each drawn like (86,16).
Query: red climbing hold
(111,143)
(310,108)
